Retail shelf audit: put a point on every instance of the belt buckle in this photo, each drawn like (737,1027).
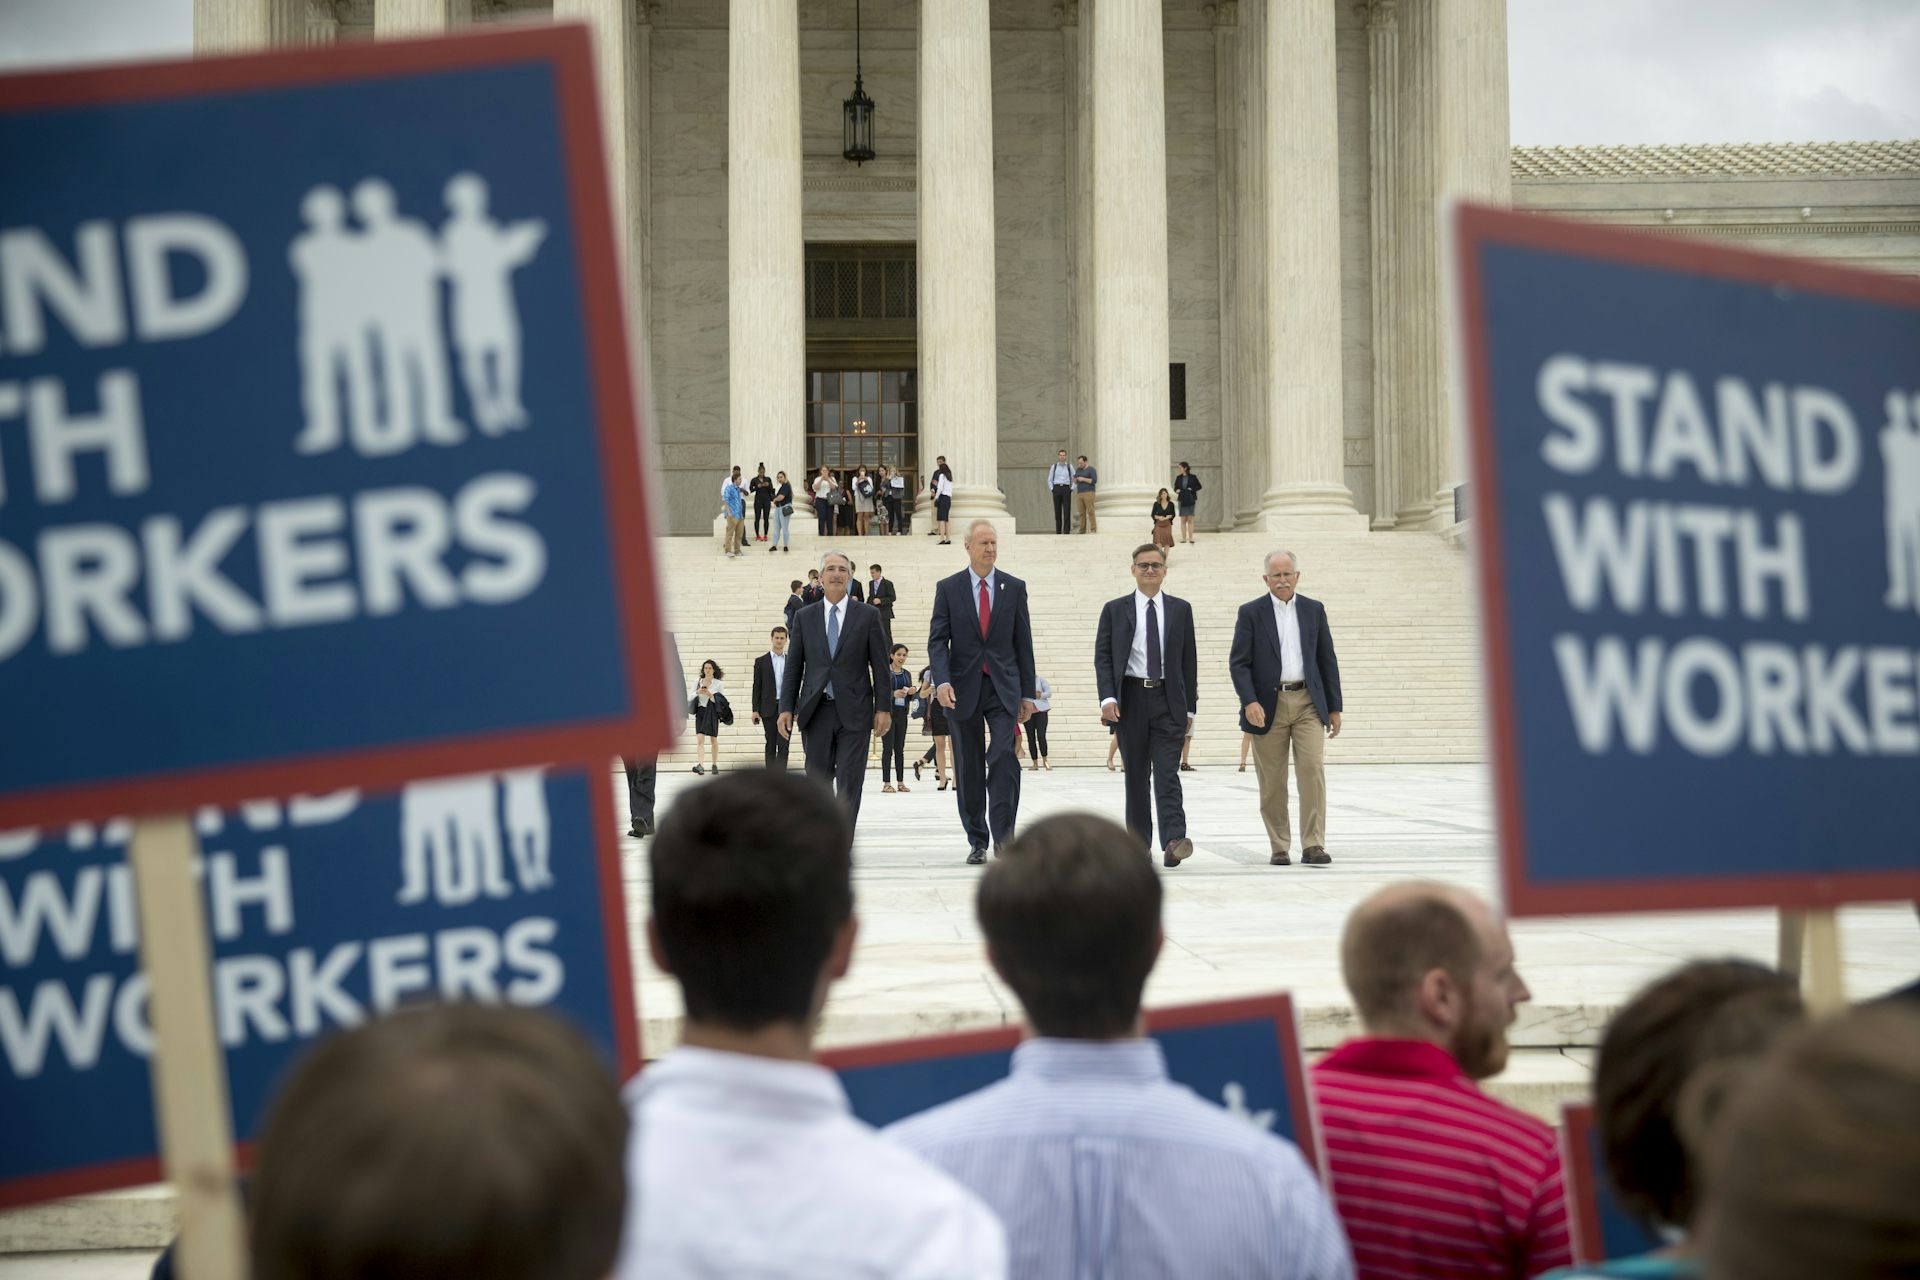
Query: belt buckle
(1151,683)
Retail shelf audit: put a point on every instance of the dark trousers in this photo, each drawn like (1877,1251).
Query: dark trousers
(1062,510)
(986,774)
(777,746)
(838,755)
(886,626)
(762,515)
(1150,737)
(641,775)
(894,746)
(824,509)
(1037,733)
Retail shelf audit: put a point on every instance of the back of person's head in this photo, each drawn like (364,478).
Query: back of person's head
(1071,914)
(1394,939)
(1662,1062)
(1814,1172)
(460,1141)
(752,881)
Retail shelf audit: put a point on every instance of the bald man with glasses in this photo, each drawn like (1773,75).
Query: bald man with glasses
(1145,666)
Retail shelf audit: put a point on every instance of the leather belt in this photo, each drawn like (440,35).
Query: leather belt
(1144,683)
(1292,686)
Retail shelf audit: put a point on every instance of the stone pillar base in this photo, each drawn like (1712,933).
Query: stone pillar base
(1310,506)
(1292,519)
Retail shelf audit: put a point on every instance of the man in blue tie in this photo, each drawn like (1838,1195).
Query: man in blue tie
(838,660)
(1145,667)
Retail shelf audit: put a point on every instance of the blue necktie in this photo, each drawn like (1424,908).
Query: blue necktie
(1153,643)
(833,641)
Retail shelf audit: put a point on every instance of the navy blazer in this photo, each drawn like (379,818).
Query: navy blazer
(956,652)
(1254,661)
(1178,662)
(857,667)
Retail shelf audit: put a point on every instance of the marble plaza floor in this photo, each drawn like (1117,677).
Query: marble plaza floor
(1236,926)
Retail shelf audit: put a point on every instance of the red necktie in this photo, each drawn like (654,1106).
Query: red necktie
(986,620)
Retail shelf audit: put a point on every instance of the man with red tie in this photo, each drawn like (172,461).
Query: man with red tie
(980,647)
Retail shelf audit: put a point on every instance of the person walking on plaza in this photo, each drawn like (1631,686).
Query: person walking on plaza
(1186,492)
(1095,1161)
(823,489)
(942,500)
(782,514)
(894,745)
(1037,723)
(643,772)
(1147,671)
(1433,1177)
(1060,485)
(1287,680)
(768,670)
(980,644)
(836,687)
(745,1158)
(881,595)
(761,487)
(1162,513)
(709,710)
(1086,479)
(936,728)
(733,501)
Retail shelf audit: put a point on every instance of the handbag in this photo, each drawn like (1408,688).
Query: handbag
(786,508)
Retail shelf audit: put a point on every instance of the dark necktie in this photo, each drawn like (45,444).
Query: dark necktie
(1153,643)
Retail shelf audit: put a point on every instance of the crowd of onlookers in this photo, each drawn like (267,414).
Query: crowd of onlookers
(479,1142)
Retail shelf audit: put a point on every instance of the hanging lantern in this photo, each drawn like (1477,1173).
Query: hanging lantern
(859,108)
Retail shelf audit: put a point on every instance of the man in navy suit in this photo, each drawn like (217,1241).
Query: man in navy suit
(1288,682)
(1145,667)
(980,647)
(838,660)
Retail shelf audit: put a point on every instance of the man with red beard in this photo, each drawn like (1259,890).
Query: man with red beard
(1432,1177)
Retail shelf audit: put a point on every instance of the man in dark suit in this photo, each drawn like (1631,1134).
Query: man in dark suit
(768,669)
(838,661)
(881,595)
(1288,682)
(980,647)
(1146,669)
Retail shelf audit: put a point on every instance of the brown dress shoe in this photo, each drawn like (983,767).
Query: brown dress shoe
(1179,851)
(1316,856)
(1279,859)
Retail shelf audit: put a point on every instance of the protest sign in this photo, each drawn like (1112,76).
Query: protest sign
(319,460)
(324,911)
(1243,1055)
(1602,1227)
(1696,505)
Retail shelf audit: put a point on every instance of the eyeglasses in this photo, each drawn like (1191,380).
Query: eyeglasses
(1148,566)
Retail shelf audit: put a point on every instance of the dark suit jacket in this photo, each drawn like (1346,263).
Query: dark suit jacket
(766,694)
(881,596)
(1254,661)
(855,590)
(1178,659)
(793,606)
(956,651)
(809,593)
(857,667)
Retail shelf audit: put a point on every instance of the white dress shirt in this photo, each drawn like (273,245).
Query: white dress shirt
(1043,694)
(779,661)
(1137,656)
(1060,473)
(712,688)
(834,624)
(1102,1167)
(943,486)
(745,1168)
(973,590)
(1286,619)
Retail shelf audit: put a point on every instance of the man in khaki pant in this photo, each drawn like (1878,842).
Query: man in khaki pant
(1288,682)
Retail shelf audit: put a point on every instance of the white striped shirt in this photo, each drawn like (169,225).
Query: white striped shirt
(1103,1169)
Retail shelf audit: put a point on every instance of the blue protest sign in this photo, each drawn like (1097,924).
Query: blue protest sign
(1242,1054)
(319,461)
(1696,499)
(322,911)
(1602,1228)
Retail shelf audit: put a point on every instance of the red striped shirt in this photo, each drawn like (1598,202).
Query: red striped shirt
(1435,1180)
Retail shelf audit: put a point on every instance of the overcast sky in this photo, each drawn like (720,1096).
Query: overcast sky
(1582,71)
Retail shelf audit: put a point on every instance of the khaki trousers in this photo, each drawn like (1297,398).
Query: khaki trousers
(1296,726)
(736,534)
(1083,502)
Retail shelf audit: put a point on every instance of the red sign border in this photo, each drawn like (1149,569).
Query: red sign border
(138,1171)
(1277,1007)
(568,51)
(1583,1196)
(1475,227)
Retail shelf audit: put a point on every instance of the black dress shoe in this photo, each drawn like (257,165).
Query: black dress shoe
(1185,767)
(1279,859)
(997,847)
(1315,856)
(976,857)
(1179,851)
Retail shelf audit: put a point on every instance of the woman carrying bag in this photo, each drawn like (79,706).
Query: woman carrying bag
(710,710)
(1163,520)
(782,514)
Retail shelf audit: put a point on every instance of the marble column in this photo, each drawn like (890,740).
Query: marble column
(1249,459)
(237,26)
(1421,400)
(419,17)
(1473,155)
(959,415)
(1306,468)
(766,324)
(1076,22)
(1130,258)
(1383,53)
(1226,124)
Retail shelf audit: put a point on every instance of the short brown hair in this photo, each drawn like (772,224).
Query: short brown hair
(1814,1169)
(1660,1040)
(1397,937)
(1071,914)
(457,1141)
(1149,546)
